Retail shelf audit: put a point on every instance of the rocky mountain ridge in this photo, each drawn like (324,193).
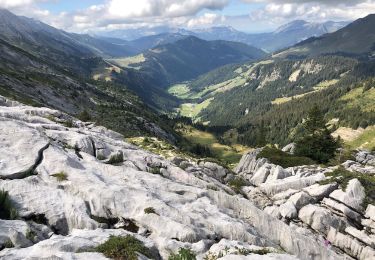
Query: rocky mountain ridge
(74,184)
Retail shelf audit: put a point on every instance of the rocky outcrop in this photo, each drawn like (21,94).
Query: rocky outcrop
(365,157)
(85,183)
(295,196)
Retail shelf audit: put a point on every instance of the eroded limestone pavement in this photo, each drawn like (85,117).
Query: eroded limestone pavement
(74,184)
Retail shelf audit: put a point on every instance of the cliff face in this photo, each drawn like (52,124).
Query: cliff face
(75,184)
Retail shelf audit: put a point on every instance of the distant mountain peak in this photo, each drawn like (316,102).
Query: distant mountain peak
(297,24)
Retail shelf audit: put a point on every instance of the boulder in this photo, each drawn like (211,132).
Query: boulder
(277,173)
(301,199)
(365,157)
(261,175)
(361,236)
(284,195)
(249,163)
(353,196)
(320,219)
(342,209)
(288,210)
(290,148)
(351,246)
(319,192)
(292,182)
(18,239)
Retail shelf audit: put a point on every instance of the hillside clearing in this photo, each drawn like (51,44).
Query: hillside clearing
(363,100)
(231,155)
(192,110)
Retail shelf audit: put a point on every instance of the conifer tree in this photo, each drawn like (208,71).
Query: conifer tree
(317,142)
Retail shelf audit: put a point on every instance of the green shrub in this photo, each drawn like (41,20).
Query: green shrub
(343,176)
(183,254)
(69,123)
(8,244)
(101,157)
(30,235)
(60,176)
(7,211)
(283,159)
(155,170)
(116,158)
(262,251)
(84,116)
(149,210)
(124,248)
(237,183)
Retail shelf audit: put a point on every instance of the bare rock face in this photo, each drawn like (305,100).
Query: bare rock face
(84,183)
(352,197)
(23,151)
(296,196)
(249,162)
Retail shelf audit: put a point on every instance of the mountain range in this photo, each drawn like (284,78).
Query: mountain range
(285,36)
(356,39)
(185,73)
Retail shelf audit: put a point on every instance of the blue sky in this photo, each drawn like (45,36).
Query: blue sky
(244,15)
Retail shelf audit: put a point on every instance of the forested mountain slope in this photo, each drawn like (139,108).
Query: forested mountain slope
(189,58)
(356,39)
(44,67)
(272,96)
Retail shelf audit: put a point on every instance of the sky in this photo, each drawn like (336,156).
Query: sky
(85,16)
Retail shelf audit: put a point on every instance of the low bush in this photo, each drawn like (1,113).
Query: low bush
(30,235)
(8,244)
(116,158)
(7,211)
(237,183)
(283,159)
(84,116)
(69,123)
(123,248)
(183,254)
(149,210)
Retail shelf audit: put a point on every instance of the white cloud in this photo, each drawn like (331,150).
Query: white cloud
(207,19)
(313,11)
(191,13)
(160,8)
(15,3)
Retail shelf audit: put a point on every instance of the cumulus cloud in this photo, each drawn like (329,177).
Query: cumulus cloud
(117,14)
(15,3)
(122,13)
(207,19)
(158,8)
(281,11)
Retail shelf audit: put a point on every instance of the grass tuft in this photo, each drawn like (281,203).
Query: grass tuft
(237,183)
(60,176)
(123,248)
(116,158)
(183,254)
(7,210)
